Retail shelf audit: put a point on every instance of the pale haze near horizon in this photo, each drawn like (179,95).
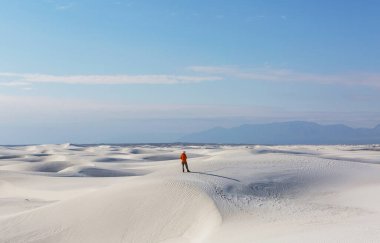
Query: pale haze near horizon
(148,71)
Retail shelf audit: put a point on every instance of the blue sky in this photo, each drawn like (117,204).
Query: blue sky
(151,71)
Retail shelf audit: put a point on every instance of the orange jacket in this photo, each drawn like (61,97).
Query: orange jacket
(183,157)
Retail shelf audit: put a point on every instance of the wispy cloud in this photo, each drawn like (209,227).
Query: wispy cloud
(14,84)
(288,75)
(64,6)
(18,78)
(201,74)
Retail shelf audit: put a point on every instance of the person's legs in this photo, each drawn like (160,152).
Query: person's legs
(183,167)
(187,167)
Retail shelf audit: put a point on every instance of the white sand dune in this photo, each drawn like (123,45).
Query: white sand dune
(68,193)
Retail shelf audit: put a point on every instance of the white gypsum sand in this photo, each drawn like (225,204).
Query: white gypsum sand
(67,193)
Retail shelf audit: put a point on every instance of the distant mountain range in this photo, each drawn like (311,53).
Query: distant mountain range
(281,133)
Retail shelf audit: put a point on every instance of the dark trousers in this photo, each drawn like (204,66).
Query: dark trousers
(183,167)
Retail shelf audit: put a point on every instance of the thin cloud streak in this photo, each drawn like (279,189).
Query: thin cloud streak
(65,7)
(14,84)
(105,79)
(288,75)
(210,73)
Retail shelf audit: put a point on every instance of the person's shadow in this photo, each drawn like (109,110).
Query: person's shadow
(225,177)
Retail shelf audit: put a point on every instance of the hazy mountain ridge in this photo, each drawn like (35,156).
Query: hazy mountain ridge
(297,132)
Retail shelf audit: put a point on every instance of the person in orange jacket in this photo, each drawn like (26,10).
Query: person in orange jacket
(184,162)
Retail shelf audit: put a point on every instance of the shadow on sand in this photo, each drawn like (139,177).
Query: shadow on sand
(203,173)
